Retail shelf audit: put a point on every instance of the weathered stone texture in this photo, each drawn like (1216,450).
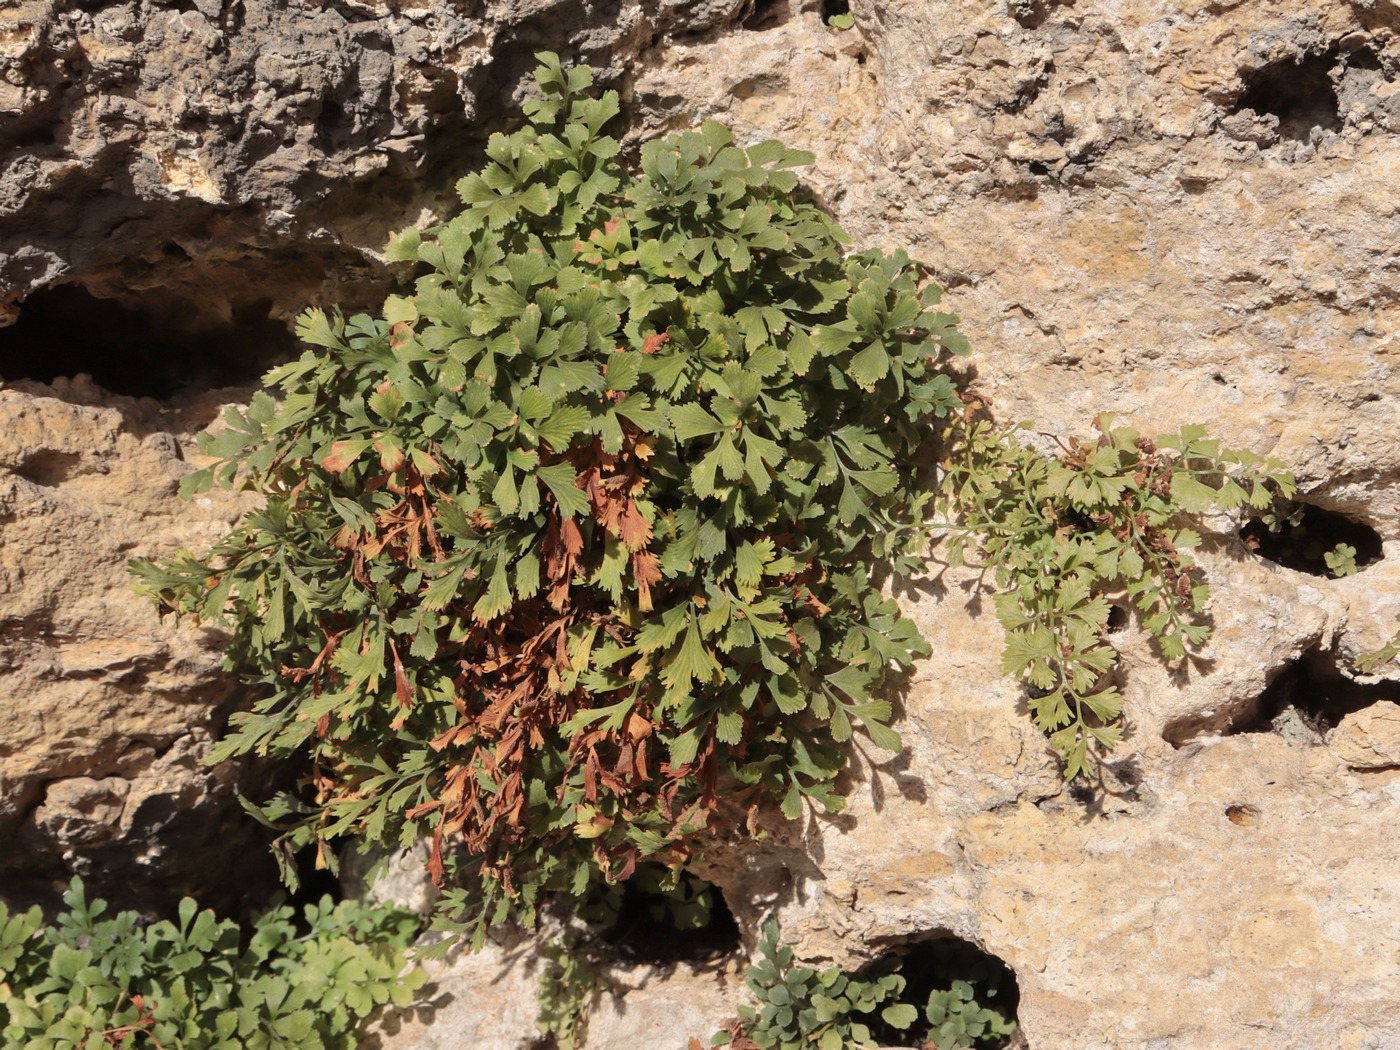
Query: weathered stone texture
(1122,232)
(105,712)
(488,1001)
(1369,739)
(227,153)
(1179,212)
(1111,244)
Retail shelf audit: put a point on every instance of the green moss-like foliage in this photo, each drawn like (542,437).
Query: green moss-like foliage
(199,983)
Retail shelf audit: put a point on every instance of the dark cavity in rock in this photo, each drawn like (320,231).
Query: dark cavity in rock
(642,923)
(767,14)
(1032,14)
(1304,543)
(1299,94)
(142,351)
(1303,701)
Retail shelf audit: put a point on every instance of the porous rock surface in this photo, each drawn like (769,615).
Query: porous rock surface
(237,154)
(487,1001)
(1179,212)
(105,712)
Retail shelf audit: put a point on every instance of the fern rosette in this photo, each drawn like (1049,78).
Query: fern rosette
(573,542)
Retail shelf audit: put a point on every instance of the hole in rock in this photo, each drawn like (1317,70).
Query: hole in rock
(1032,14)
(1303,542)
(1313,691)
(766,14)
(1117,618)
(141,351)
(1364,58)
(1302,702)
(48,467)
(313,883)
(834,8)
(334,127)
(1245,816)
(939,974)
(1300,94)
(649,924)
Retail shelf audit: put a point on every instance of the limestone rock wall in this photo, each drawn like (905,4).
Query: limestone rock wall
(107,713)
(233,153)
(1179,212)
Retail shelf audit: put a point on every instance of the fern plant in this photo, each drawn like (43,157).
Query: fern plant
(1066,535)
(571,545)
(566,557)
(199,983)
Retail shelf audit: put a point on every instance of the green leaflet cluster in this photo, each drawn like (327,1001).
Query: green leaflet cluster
(566,556)
(569,984)
(199,983)
(1064,535)
(1388,652)
(804,1009)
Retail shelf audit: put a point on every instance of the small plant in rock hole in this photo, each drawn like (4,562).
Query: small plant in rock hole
(567,557)
(800,1008)
(1295,542)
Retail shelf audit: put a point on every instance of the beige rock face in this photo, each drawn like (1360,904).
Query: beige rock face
(1158,211)
(105,712)
(1369,739)
(1179,212)
(489,1001)
(1233,892)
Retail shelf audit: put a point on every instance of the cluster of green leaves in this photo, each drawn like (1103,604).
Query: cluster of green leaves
(804,1009)
(199,983)
(1065,535)
(973,1010)
(1341,560)
(572,544)
(568,986)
